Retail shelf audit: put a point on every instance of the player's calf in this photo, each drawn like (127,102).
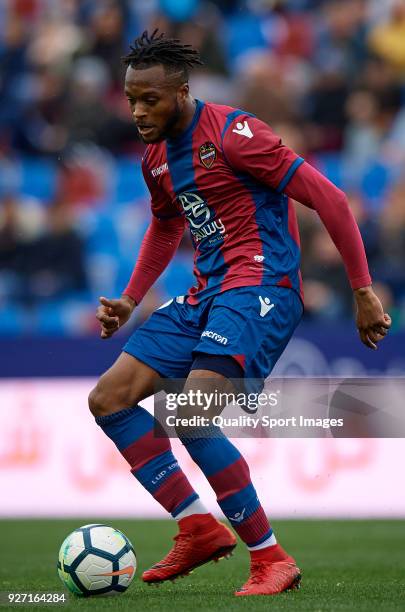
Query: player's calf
(134,431)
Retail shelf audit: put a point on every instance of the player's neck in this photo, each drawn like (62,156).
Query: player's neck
(186,118)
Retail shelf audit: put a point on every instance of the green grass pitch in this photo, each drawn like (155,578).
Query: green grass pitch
(346,565)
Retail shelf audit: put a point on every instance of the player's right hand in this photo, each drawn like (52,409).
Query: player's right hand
(112,314)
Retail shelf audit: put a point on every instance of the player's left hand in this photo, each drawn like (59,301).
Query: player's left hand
(371,320)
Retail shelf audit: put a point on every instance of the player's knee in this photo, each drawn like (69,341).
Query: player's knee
(110,396)
(96,403)
(103,401)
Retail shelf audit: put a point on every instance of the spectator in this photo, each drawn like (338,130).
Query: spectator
(54,264)
(325,279)
(107,38)
(22,223)
(387,40)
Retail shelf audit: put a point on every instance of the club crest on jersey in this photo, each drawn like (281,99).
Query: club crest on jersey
(208,154)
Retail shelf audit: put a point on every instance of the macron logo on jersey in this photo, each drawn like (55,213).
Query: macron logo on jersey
(243,129)
(159,170)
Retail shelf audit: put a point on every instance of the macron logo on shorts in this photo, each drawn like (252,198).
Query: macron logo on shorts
(265,305)
(214,336)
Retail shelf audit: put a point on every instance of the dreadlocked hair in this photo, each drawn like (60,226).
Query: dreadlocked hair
(156,49)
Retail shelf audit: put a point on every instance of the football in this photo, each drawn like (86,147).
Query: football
(96,560)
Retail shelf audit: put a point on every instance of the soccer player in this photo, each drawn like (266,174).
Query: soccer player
(229,177)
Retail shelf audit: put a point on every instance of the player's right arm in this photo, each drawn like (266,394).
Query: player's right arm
(158,247)
(314,190)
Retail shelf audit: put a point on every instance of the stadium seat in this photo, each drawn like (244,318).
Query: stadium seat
(38,178)
(129,181)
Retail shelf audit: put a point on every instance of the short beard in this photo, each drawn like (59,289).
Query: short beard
(171,122)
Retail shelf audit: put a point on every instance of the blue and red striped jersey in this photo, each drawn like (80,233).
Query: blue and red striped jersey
(226,175)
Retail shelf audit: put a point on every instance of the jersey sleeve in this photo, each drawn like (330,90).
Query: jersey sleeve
(158,247)
(251,146)
(314,190)
(161,206)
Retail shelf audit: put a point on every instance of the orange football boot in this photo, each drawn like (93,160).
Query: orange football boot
(271,577)
(201,539)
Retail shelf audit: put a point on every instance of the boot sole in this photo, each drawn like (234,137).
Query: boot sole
(295,585)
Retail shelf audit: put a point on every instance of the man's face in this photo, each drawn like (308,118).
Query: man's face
(156,100)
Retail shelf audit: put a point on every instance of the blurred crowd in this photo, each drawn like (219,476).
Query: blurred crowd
(327,75)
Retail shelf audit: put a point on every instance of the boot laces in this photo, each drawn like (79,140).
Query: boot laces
(258,572)
(181,546)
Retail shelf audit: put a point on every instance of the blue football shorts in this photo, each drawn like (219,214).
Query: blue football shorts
(251,324)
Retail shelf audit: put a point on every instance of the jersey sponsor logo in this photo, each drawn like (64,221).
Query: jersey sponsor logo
(159,170)
(207,154)
(195,209)
(199,217)
(265,305)
(243,129)
(215,228)
(214,336)
(259,258)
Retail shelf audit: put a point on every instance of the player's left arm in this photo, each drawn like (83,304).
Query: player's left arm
(314,190)
(250,146)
